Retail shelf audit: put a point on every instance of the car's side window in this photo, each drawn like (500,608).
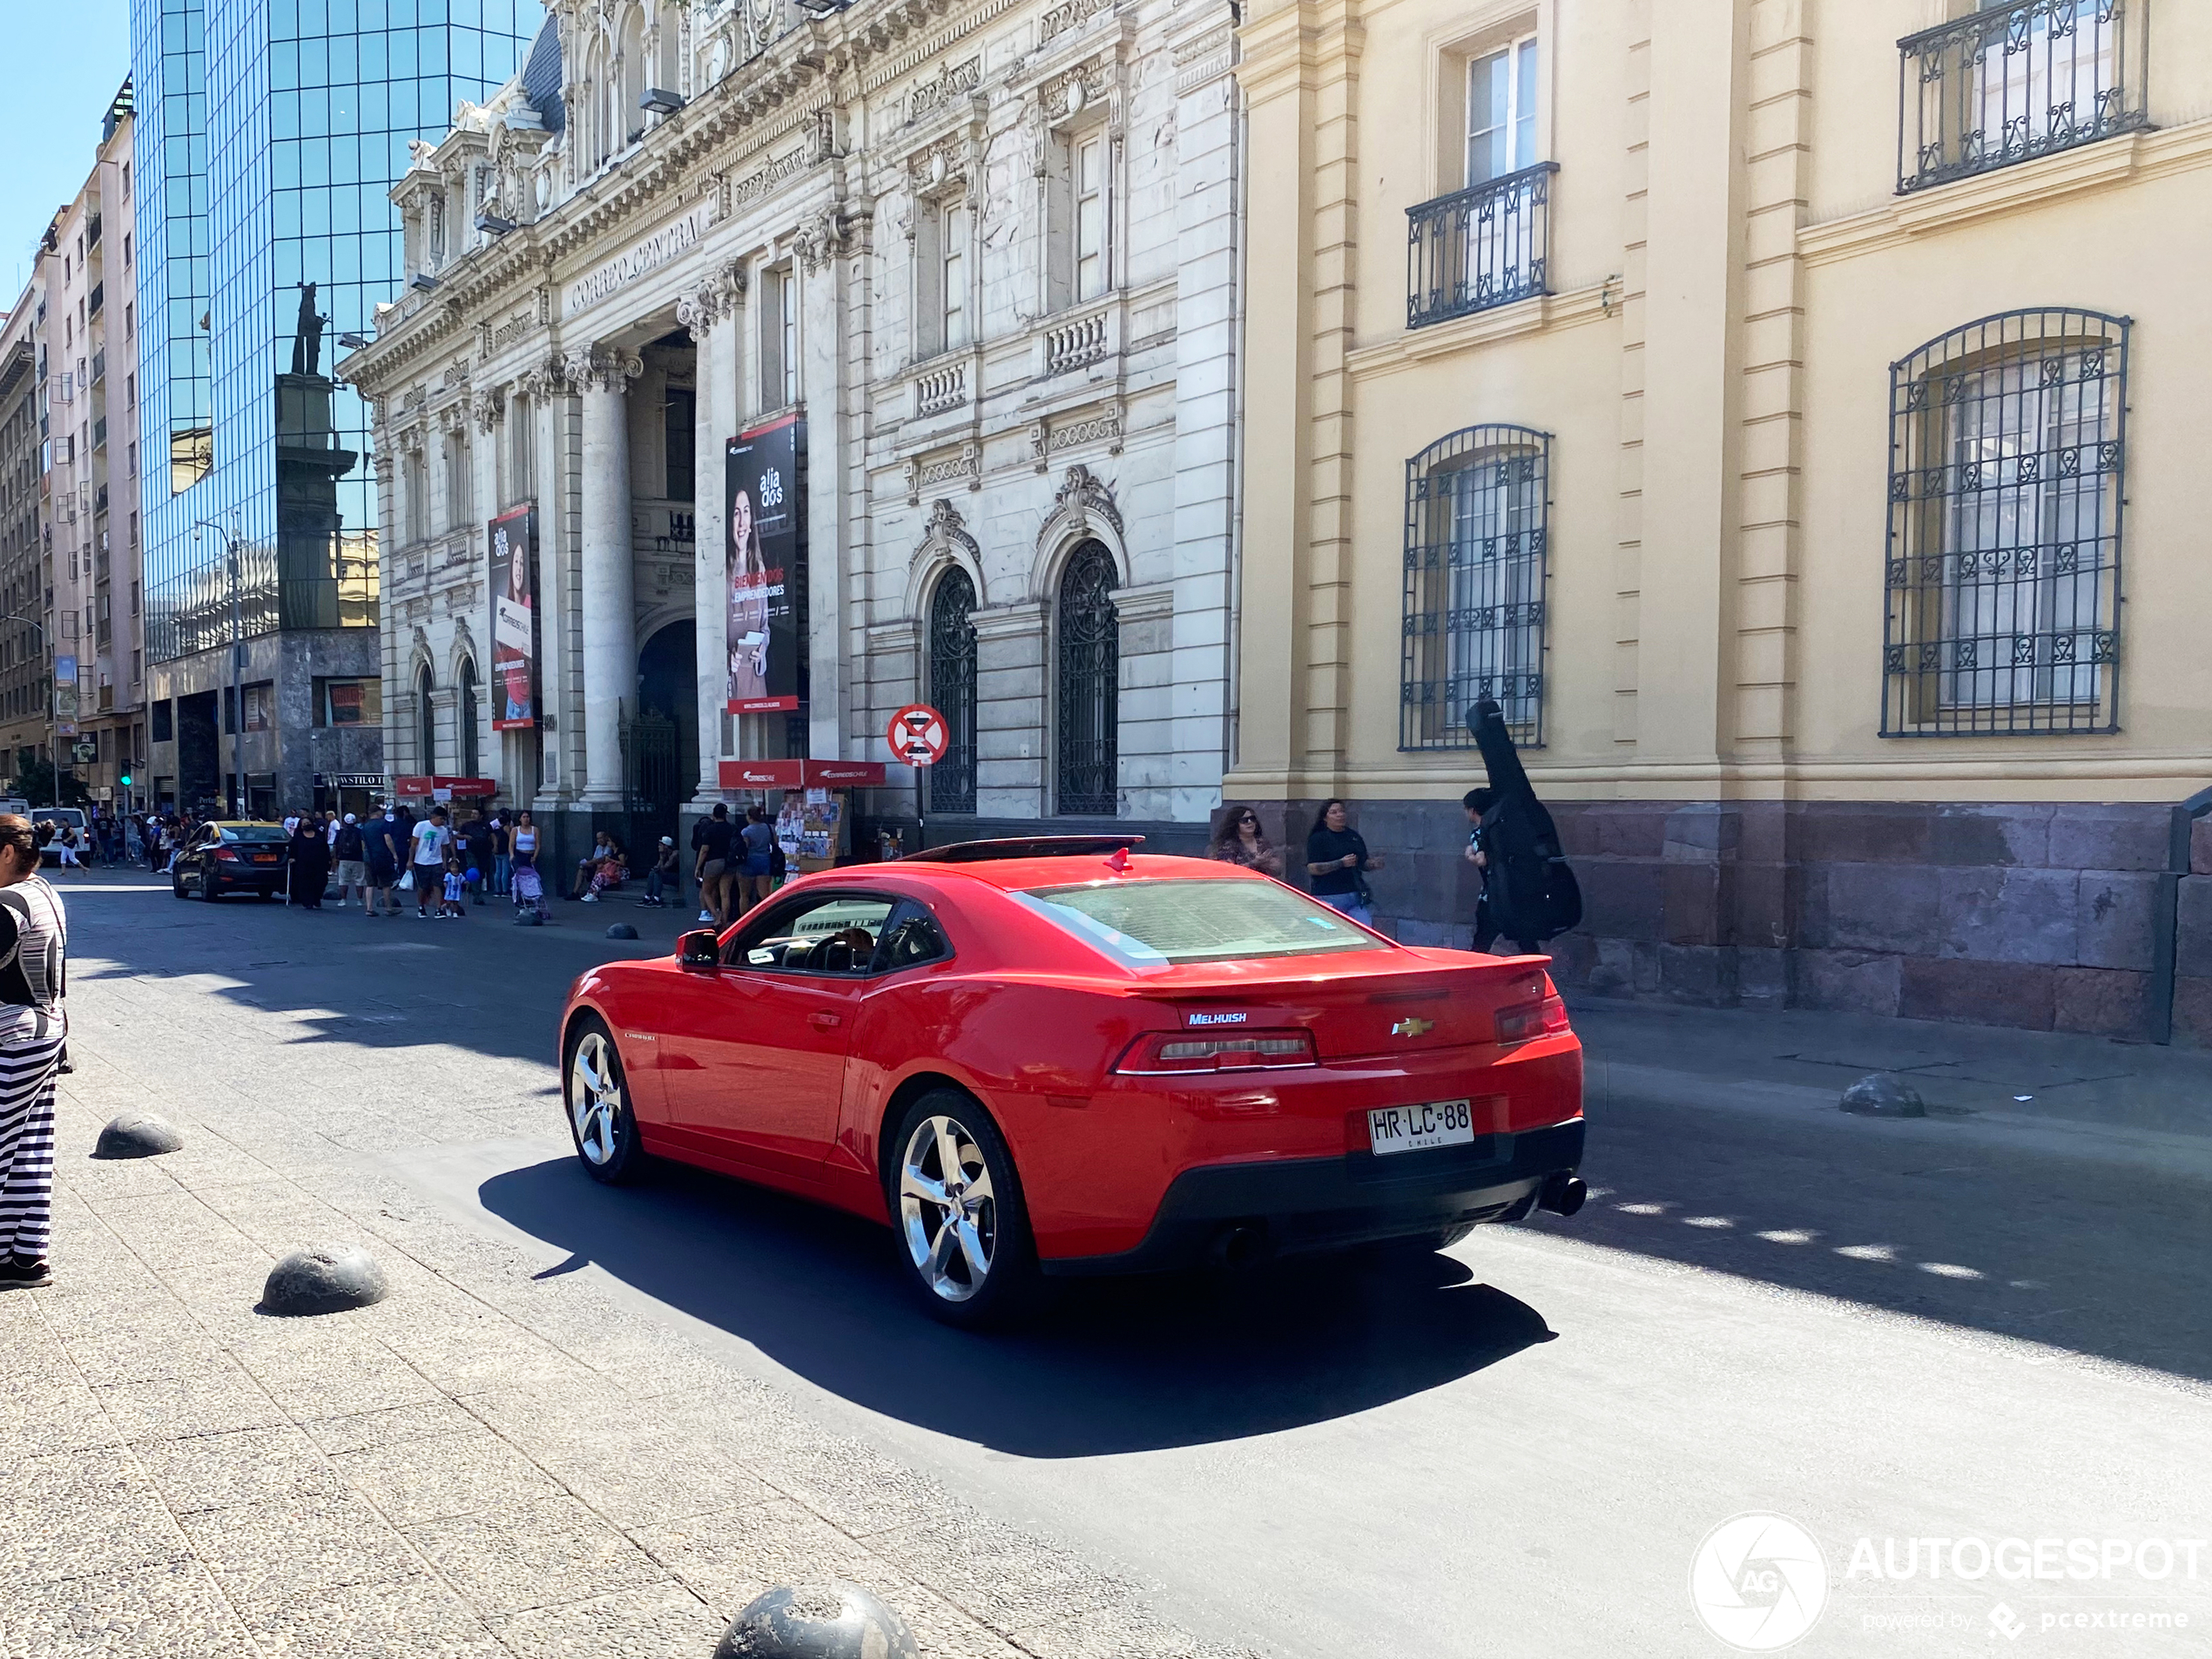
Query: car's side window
(911,939)
(831,933)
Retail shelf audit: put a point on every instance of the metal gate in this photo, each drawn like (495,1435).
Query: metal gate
(655,783)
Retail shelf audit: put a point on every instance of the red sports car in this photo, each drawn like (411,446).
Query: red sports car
(1059,1057)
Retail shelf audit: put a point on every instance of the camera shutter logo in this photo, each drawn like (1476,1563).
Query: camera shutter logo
(1758,1581)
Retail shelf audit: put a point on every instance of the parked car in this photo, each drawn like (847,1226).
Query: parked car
(233,856)
(1058,1056)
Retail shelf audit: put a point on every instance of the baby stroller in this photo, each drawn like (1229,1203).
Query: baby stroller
(529,892)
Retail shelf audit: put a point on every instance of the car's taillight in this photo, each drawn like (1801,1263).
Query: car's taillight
(1532,1020)
(226,854)
(1247,1050)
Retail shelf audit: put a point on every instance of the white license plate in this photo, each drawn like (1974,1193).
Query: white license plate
(1415,1129)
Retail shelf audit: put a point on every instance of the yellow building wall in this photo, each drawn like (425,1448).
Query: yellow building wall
(1732,275)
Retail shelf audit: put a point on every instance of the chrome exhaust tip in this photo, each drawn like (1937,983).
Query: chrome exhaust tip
(1564,1194)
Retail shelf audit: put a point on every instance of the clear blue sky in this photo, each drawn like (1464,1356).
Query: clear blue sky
(66,59)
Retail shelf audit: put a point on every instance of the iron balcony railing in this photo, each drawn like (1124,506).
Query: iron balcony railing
(1486,245)
(2010,82)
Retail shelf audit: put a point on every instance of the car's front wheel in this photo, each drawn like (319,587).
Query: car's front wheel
(177,884)
(601,1121)
(962,1229)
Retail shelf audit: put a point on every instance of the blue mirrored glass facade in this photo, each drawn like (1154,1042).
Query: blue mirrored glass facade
(272,129)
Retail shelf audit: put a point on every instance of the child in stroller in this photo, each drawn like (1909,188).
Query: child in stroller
(529,892)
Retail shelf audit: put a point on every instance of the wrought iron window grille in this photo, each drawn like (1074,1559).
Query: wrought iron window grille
(952,690)
(2009,83)
(1477,571)
(1088,684)
(1488,244)
(2006,500)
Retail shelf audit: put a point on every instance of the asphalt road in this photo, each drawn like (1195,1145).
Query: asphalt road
(1878,1332)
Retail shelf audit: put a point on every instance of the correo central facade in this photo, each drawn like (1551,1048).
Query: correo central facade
(974,265)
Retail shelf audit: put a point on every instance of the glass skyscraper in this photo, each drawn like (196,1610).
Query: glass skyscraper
(269,132)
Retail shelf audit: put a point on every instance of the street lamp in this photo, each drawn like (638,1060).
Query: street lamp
(237,647)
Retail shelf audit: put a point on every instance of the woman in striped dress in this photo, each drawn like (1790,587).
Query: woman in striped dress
(34,945)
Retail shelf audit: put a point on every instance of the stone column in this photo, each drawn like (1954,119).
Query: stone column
(606,597)
(485,409)
(546,387)
(710,313)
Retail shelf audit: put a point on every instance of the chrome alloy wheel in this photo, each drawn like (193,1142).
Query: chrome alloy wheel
(946,1208)
(594,1098)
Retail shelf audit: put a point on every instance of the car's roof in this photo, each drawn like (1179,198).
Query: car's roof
(242,823)
(1018,874)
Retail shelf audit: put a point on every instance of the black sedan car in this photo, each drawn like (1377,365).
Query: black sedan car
(235,857)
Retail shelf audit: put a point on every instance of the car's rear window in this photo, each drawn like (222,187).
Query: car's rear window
(1148,923)
(256,832)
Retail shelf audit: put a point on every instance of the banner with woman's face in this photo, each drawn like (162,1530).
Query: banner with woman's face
(764,566)
(514,619)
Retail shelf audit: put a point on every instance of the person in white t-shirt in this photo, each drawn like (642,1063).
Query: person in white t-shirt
(432,842)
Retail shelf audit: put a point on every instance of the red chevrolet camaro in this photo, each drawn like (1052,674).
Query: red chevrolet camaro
(1060,1056)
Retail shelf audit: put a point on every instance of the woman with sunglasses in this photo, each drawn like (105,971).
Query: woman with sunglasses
(1237,840)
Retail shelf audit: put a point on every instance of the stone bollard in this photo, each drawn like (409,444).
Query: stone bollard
(323,1278)
(621,930)
(138,1135)
(831,1621)
(1883,1095)
(529,918)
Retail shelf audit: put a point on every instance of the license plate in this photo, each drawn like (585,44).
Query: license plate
(1415,1129)
(265,858)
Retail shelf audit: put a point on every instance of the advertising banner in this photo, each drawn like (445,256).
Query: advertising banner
(766,566)
(514,619)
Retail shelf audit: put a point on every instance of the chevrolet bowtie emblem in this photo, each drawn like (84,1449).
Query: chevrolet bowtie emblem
(1412,1028)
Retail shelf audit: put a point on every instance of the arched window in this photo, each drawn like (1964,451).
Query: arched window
(669,75)
(426,722)
(464,715)
(1090,673)
(1477,560)
(633,76)
(2007,466)
(952,690)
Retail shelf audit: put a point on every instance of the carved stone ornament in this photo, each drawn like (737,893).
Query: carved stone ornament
(487,406)
(602,369)
(698,309)
(820,239)
(1082,496)
(541,381)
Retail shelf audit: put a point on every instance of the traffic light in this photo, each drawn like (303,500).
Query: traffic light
(126,780)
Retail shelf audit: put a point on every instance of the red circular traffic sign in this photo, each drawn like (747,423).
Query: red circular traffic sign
(918,735)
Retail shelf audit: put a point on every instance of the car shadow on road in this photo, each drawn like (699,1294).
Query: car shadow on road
(1118,1365)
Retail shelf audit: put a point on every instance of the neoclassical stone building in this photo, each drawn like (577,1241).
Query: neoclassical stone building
(986,251)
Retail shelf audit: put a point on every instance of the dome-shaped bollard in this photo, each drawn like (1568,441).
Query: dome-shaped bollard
(323,1278)
(1883,1095)
(138,1135)
(832,1621)
(621,930)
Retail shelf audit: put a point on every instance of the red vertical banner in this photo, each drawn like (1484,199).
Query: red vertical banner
(514,619)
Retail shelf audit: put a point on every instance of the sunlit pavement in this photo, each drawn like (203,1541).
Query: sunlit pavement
(1984,1327)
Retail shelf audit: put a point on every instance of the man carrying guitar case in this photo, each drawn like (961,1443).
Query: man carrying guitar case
(1528,891)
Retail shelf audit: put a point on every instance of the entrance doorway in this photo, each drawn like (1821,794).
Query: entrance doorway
(661,743)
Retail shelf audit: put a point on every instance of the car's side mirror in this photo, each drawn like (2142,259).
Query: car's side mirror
(701,948)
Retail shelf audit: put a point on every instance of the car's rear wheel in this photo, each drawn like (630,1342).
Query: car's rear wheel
(601,1121)
(962,1229)
(208,890)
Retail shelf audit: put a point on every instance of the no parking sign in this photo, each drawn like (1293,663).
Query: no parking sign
(918,735)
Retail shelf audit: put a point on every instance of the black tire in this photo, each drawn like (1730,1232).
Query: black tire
(176,884)
(606,1144)
(1011,1288)
(208,891)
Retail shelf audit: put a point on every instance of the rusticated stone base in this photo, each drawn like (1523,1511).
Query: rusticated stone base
(2036,916)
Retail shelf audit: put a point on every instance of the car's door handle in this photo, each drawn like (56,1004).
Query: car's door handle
(821,1020)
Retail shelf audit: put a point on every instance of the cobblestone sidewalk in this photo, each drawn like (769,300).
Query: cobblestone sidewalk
(486,1463)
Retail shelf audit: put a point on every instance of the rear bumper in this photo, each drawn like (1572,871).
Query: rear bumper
(1300,1204)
